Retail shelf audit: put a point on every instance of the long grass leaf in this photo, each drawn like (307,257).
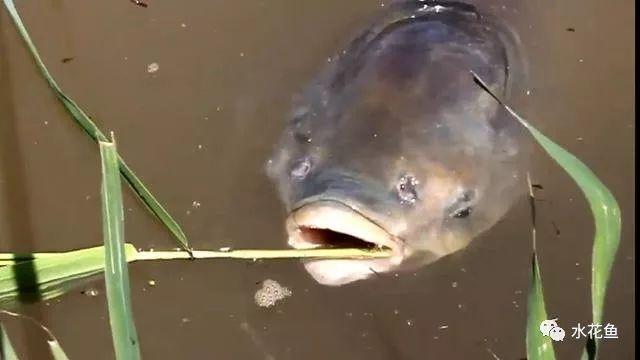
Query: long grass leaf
(607,218)
(54,346)
(605,211)
(125,338)
(6,349)
(90,128)
(539,347)
(56,271)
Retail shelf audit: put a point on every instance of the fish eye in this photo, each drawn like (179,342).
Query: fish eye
(462,213)
(406,189)
(300,169)
(462,208)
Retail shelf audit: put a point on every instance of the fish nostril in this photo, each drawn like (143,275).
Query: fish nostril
(300,169)
(304,138)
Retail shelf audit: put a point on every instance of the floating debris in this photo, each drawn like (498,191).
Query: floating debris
(67,59)
(91,292)
(153,67)
(195,204)
(140,3)
(270,293)
(151,282)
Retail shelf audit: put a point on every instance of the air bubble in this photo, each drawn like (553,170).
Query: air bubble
(270,293)
(153,67)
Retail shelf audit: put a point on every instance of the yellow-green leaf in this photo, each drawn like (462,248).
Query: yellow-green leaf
(56,271)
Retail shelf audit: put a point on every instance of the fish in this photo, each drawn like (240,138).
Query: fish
(394,145)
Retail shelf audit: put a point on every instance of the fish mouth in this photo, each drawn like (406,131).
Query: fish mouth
(333,224)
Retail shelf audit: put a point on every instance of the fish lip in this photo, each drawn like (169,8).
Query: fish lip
(339,217)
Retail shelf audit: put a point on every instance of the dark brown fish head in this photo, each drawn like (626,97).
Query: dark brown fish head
(394,145)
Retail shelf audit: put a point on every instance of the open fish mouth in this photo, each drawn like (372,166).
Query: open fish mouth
(332,224)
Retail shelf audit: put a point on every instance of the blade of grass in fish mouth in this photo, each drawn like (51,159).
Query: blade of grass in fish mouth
(330,224)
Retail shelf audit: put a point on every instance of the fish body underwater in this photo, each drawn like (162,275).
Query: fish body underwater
(394,144)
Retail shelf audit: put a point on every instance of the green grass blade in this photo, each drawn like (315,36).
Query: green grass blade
(57,272)
(605,211)
(6,349)
(539,347)
(125,338)
(153,205)
(607,218)
(90,128)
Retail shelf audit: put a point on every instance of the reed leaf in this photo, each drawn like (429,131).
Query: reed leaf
(123,330)
(56,271)
(605,211)
(82,119)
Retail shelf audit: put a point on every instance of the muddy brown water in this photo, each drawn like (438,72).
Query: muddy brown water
(198,131)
